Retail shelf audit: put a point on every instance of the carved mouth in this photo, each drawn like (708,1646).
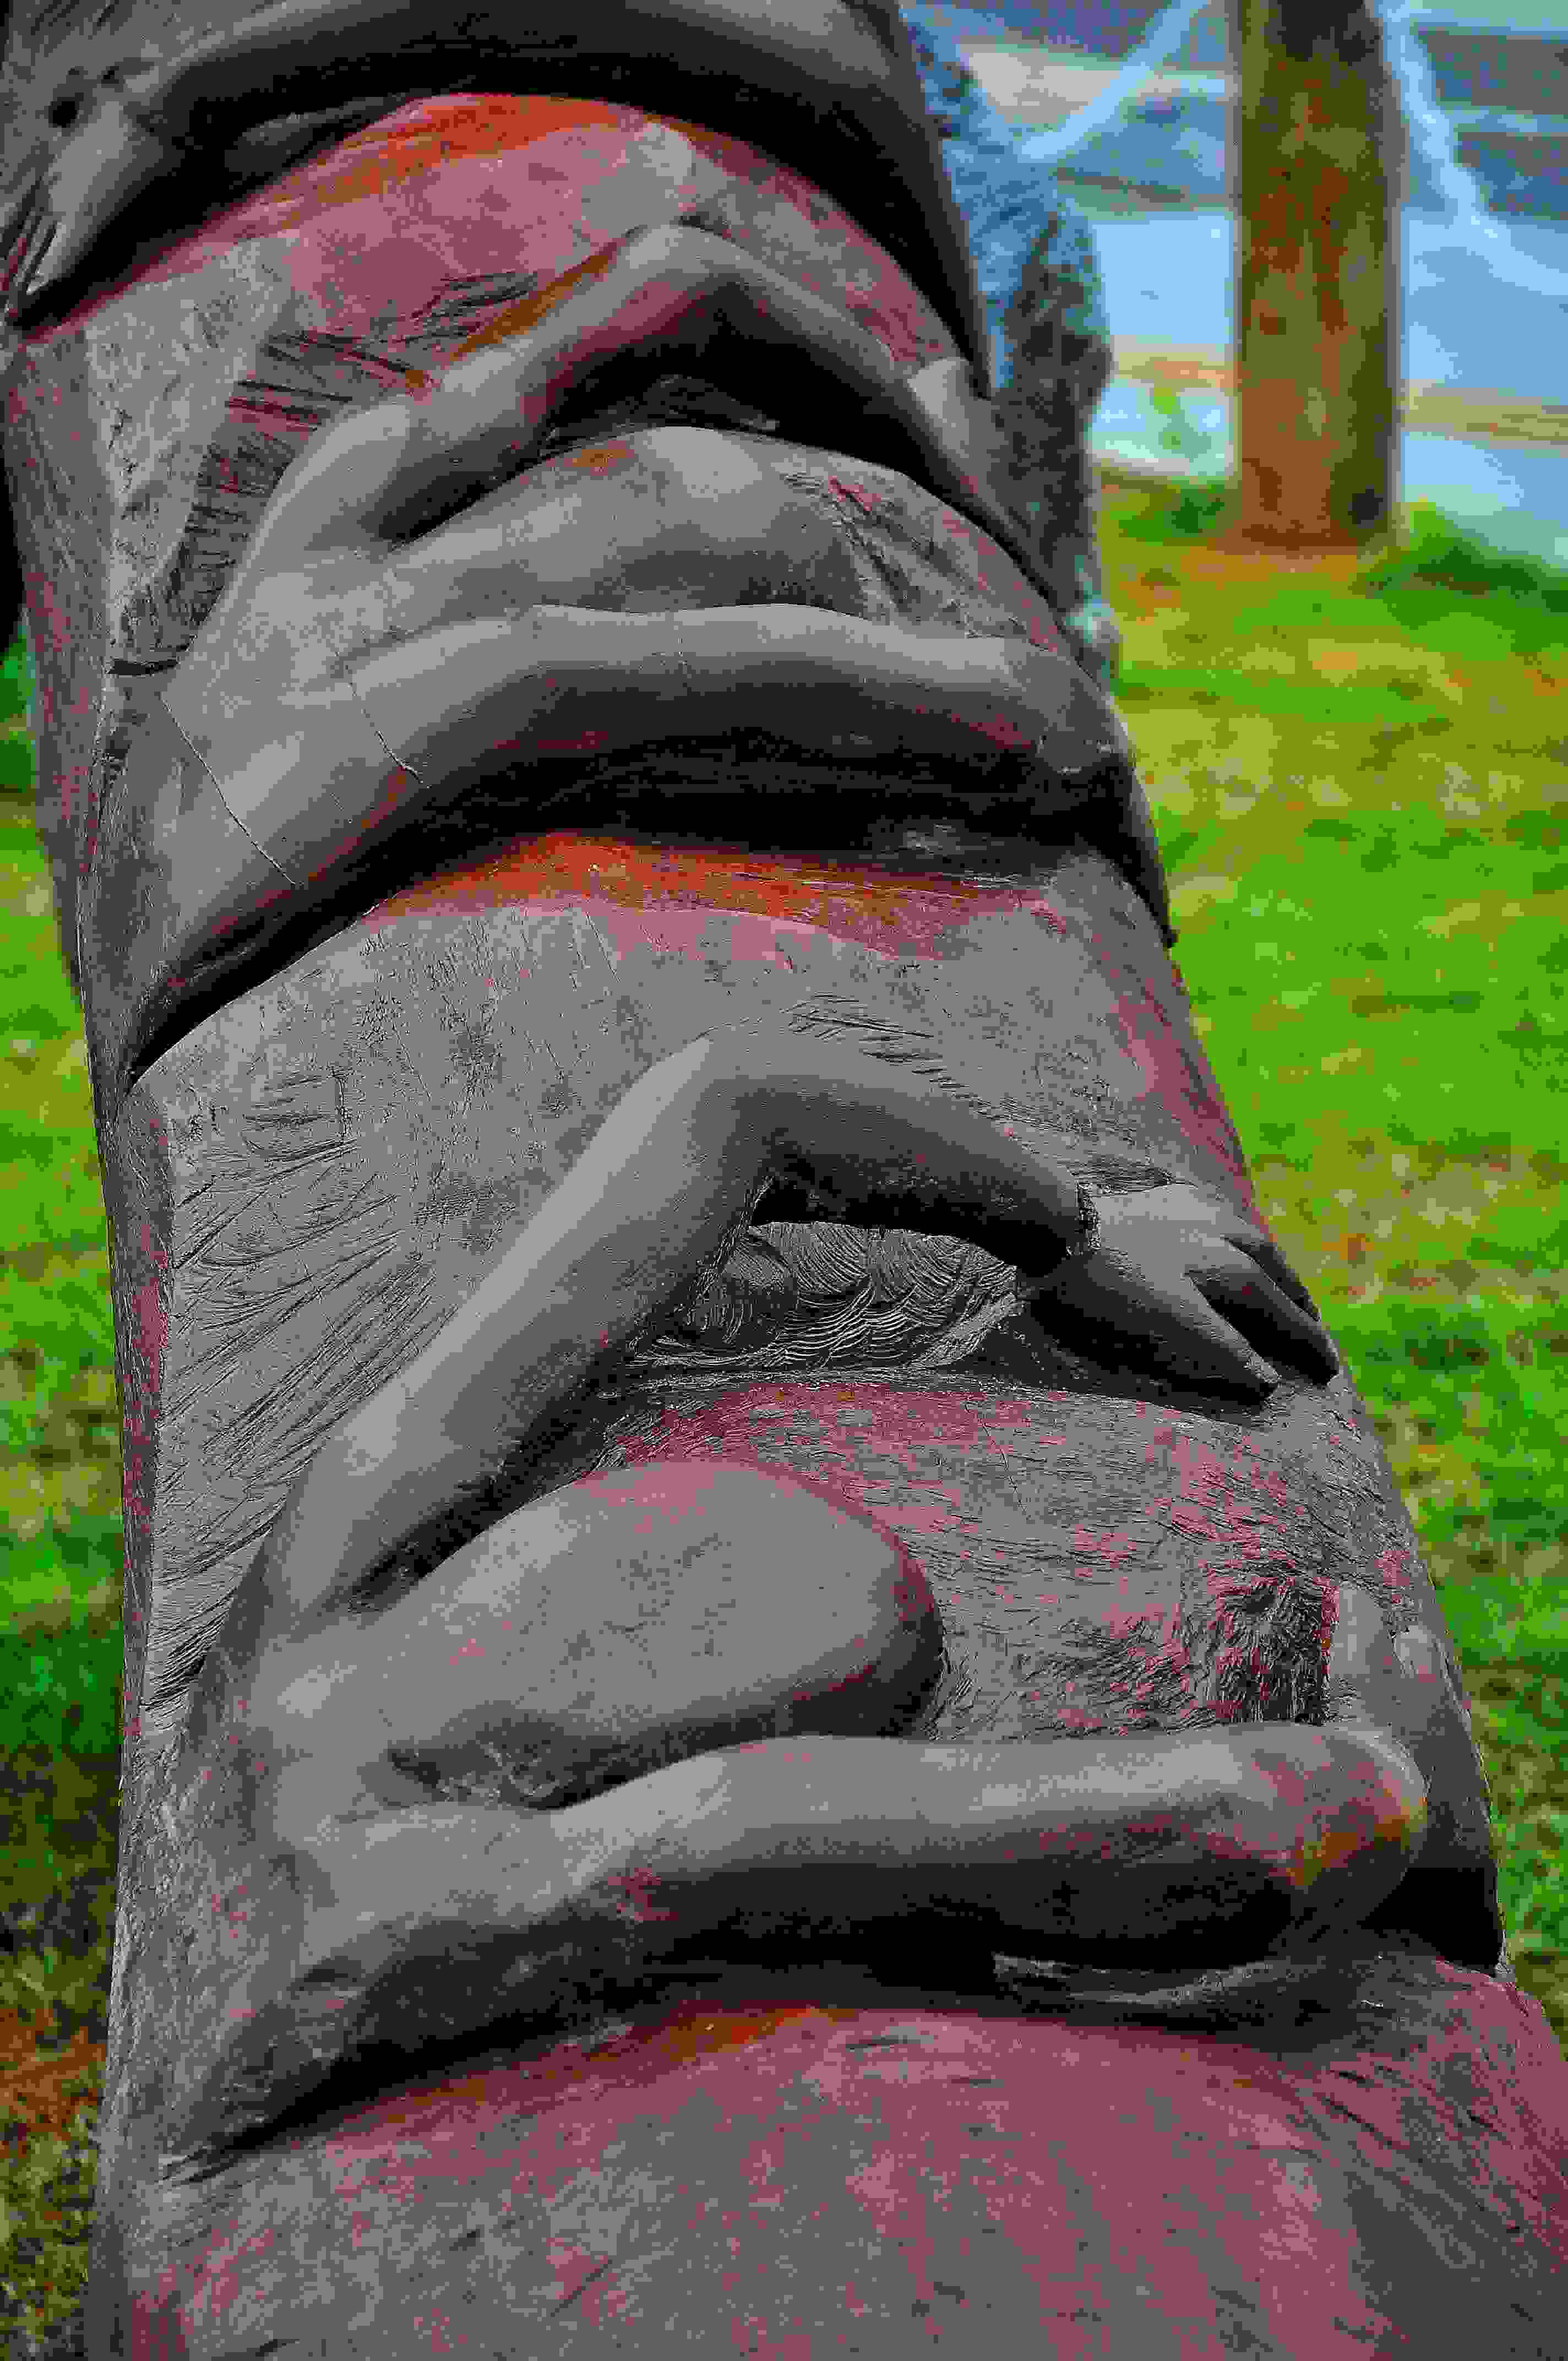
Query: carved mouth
(263,853)
(895,794)
(992,735)
(115,155)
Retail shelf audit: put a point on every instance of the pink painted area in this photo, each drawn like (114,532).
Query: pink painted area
(1161,1658)
(991,569)
(869,284)
(158,2322)
(1394,1568)
(682,1488)
(1123,1621)
(1171,1074)
(1052,2171)
(771,941)
(634,1892)
(856,495)
(151,1331)
(678,902)
(587,2280)
(47,617)
(395,791)
(266,898)
(451,189)
(221,2277)
(994,728)
(1205,1485)
(853,1432)
(377,226)
(890,1453)
(1112,1549)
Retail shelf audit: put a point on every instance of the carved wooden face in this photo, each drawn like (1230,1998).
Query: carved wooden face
(310,1172)
(538,983)
(310,1175)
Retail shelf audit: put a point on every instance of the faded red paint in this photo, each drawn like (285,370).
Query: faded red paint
(667,897)
(992,570)
(1112,1549)
(384,220)
(1207,1504)
(1118,2094)
(451,189)
(635,1890)
(1171,1074)
(956,2153)
(852,1431)
(996,729)
(872,287)
(680,1489)
(1394,1570)
(916,1463)
(262,901)
(856,495)
(159,2321)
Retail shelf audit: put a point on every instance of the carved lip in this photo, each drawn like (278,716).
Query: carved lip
(263,918)
(273,849)
(241,893)
(827,91)
(236,931)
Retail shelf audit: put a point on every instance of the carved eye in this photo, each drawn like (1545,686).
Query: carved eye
(829,1294)
(63,113)
(743,1306)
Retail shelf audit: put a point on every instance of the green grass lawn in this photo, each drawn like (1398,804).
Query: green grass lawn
(1359,772)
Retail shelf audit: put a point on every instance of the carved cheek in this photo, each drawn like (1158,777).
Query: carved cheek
(657,1612)
(1098,1568)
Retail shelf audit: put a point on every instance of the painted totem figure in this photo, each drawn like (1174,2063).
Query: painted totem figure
(752,1721)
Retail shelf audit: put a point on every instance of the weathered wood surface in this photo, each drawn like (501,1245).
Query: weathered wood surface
(1345,2168)
(312,1173)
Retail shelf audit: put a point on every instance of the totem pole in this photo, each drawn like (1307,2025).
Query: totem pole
(777,1698)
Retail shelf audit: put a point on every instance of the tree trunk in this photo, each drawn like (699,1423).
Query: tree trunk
(1315,183)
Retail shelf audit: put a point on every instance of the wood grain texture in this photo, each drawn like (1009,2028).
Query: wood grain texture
(312,1175)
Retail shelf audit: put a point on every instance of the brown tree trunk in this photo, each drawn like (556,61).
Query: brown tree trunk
(1316,167)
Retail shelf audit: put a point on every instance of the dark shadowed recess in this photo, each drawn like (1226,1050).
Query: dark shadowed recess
(752,796)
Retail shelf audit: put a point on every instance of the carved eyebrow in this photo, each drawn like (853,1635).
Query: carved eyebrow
(1113,1170)
(896,1041)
